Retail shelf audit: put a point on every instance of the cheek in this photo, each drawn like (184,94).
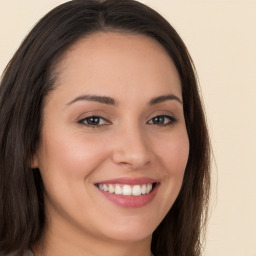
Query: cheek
(174,153)
(70,157)
(67,162)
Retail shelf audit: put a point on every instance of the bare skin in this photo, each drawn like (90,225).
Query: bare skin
(134,128)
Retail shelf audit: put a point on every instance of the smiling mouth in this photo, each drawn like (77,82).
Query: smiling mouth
(126,189)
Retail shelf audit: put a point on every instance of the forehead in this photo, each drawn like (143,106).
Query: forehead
(105,61)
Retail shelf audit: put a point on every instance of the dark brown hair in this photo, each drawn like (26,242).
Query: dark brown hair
(28,79)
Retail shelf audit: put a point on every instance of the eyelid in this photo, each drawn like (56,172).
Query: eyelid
(172,120)
(82,121)
(104,121)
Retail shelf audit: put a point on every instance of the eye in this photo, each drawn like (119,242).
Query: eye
(94,121)
(162,120)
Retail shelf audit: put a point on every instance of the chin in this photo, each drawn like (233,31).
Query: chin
(134,229)
(128,235)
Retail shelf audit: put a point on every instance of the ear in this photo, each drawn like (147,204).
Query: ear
(34,162)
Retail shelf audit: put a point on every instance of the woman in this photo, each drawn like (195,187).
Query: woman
(104,147)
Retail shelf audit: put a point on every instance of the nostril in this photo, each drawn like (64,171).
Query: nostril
(131,159)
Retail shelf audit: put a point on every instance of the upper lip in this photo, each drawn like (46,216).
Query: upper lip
(129,181)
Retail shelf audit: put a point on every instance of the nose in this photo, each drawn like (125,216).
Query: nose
(132,149)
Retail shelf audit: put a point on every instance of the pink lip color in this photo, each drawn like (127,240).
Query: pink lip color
(130,201)
(129,181)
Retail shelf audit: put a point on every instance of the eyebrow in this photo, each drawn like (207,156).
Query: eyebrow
(110,101)
(95,98)
(163,98)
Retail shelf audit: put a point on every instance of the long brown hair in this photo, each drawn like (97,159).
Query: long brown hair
(30,76)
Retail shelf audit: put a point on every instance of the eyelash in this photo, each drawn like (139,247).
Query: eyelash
(171,120)
(84,121)
(166,119)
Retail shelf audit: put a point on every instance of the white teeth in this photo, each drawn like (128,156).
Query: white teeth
(126,190)
(149,188)
(143,189)
(136,190)
(111,189)
(105,187)
(118,190)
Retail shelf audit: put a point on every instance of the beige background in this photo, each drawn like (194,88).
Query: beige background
(221,36)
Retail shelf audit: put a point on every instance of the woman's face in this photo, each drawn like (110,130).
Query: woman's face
(114,144)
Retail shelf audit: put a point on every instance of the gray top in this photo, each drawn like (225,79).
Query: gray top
(29,253)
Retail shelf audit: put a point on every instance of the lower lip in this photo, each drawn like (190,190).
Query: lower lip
(131,201)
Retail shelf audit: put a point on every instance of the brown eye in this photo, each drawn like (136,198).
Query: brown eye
(162,120)
(94,121)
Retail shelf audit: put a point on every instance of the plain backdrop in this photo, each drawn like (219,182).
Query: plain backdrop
(221,37)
